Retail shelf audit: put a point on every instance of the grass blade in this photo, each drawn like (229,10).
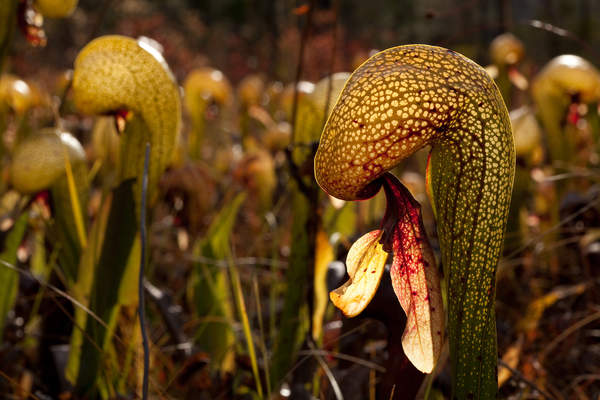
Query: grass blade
(263,346)
(9,279)
(237,288)
(75,204)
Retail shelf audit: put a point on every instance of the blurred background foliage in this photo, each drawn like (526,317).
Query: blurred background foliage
(243,245)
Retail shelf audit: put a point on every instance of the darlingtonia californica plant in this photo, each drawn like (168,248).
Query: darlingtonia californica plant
(506,50)
(55,160)
(397,102)
(130,80)
(566,82)
(506,53)
(203,88)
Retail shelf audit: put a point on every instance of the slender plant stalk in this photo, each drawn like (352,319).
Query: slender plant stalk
(300,67)
(263,346)
(75,204)
(141,302)
(237,287)
(336,10)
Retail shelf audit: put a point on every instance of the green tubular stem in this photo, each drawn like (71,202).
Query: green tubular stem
(551,110)
(472,206)
(397,102)
(196,135)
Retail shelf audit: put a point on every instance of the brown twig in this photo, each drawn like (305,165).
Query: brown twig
(295,171)
(545,26)
(143,255)
(554,228)
(56,290)
(17,386)
(300,66)
(342,356)
(335,386)
(76,303)
(567,332)
(336,7)
(518,375)
(293,167)
(306,357)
